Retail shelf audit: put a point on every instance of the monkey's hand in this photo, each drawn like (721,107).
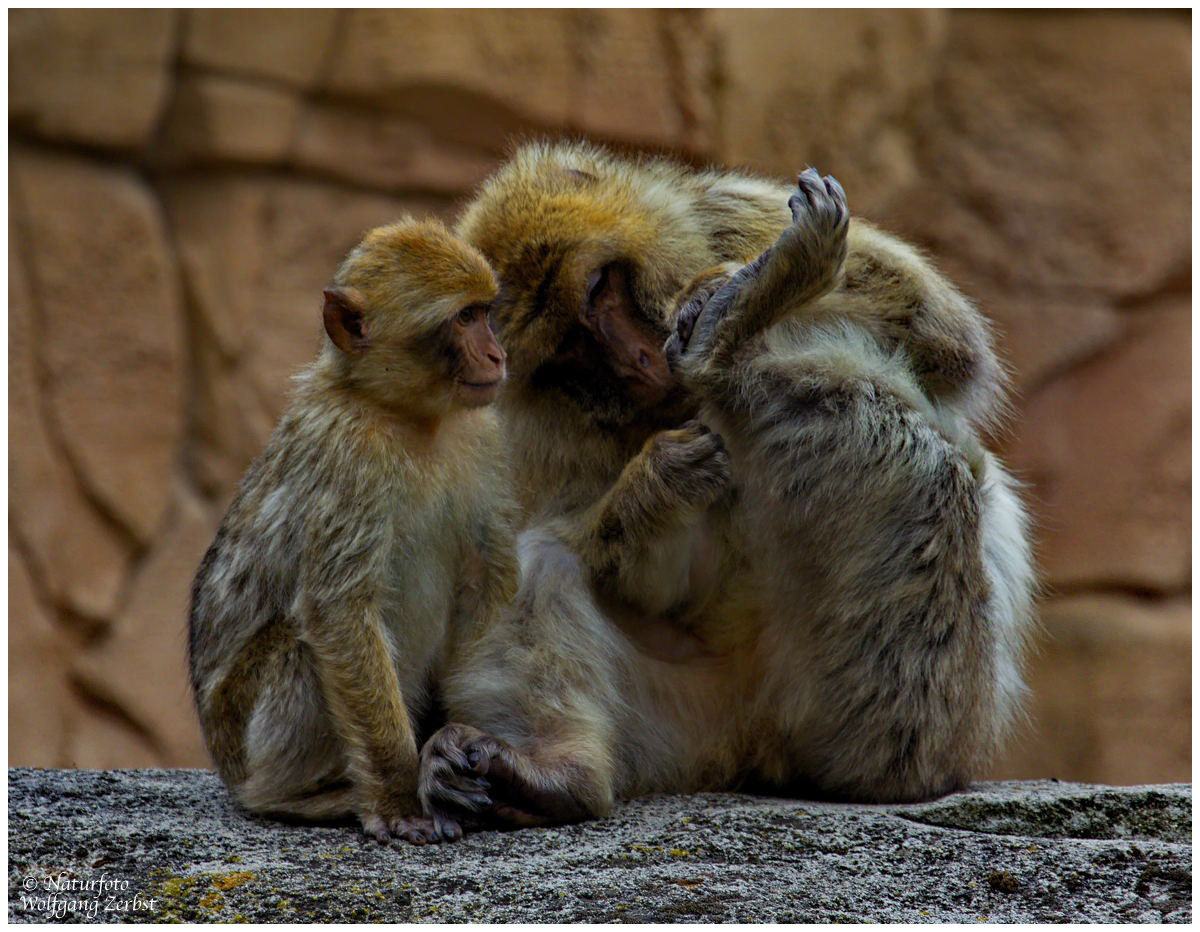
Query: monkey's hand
(687,466)
(676,474)
(723,313)
(383,825)
(470,778)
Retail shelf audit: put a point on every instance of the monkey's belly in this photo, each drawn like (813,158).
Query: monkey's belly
(422,607)
(660,638)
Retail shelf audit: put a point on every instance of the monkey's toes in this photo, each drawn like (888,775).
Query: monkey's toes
(818,200)
(416,831)
(375,827)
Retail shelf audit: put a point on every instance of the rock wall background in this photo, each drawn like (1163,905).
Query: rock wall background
(183,183)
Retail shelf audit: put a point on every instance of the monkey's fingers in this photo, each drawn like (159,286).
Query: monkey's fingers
(448,829)
(444,787)
(449,752)
(375,827)
(446,795)
(465,749)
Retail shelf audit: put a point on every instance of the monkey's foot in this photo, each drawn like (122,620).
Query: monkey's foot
(471,779)
(413,829)
(722,313)
(819,213)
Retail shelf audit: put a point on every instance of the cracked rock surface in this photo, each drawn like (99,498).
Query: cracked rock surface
(164,845)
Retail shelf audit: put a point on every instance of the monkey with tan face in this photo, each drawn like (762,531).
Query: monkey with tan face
(827,596)
(371,539)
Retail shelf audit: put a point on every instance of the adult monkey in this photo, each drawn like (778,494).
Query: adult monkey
(844,616)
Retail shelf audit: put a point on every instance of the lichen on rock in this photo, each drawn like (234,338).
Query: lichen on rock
(1001,852)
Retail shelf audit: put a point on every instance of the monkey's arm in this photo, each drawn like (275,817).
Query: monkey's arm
(673,478)
(342,616)
(366,708)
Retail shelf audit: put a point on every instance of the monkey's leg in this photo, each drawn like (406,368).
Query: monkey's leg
(881,576)
(545,694)
(804,264)
(291,763)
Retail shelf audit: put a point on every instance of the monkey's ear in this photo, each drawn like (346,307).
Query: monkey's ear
(344,319)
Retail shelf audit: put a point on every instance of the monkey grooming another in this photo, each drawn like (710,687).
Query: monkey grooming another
(371,538)
(843,568)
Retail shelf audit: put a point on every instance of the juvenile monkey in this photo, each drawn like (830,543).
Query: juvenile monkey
(835,604)
(371,538)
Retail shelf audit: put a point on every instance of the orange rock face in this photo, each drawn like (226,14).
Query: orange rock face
(183,184)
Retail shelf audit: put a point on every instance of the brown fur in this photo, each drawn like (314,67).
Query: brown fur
(371,537)
(834,604)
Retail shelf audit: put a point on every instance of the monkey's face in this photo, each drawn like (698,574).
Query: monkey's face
(576,324)
(408,316)
(477,362)
(581,331)
(430,362)
(588,254)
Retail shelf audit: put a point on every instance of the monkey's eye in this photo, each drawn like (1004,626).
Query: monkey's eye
(466,315)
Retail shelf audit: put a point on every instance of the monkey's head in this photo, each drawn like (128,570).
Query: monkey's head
(589,251)
(407,320)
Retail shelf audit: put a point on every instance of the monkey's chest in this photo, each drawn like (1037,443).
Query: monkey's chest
(425,570)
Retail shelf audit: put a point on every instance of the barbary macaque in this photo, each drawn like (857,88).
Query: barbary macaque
(372,538)
(774,554)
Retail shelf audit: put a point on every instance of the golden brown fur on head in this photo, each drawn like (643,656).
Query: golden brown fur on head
(554,222)
(391,315)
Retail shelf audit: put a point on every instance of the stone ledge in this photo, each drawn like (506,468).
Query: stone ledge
(178,849)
